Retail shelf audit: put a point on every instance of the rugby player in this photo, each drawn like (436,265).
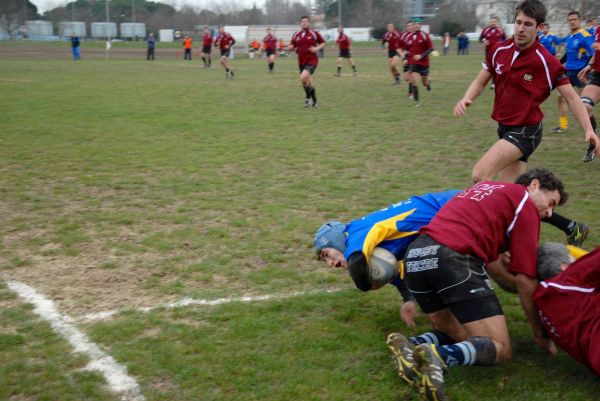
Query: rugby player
(445,270)
(307,43)
(418,45)
(207,41)
(345,46)
(392,228)
(590,95)
(489,36)
(391,40)
(224,40)
(525,74)
(269,46)
(578,52)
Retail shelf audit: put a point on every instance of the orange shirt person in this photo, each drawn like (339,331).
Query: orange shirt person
(187,46)
(255,45)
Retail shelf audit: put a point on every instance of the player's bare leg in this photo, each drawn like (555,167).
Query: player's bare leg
(338,65)
(271,63)
(227,67)
(307,84)
(590,95)
(426,81)
(394,70)
(502,155)
(414,80)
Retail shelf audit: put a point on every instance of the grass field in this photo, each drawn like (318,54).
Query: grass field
(128,184)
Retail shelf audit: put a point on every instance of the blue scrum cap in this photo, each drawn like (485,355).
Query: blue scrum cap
(330,235)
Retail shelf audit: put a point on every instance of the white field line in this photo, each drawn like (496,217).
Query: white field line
(91,317)
(115,374)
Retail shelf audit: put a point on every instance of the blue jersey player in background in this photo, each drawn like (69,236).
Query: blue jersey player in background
(392,228)
(548,39)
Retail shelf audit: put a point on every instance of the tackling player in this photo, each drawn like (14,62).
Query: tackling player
(446,272)
(591,92)
(391,39)
(578,52)
(418,45)
(307,43)
(345,46)
(269,45)
(525,74)
(224,40)
(393,228)
(207,41)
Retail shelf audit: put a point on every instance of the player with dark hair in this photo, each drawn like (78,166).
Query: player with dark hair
(548,39)
(525,74)
(489,36)
(344,44)
(207,41)
(419,46)
(590,95)
(578,46)
(393,228)
(445,269)
(269,46)
(225,41)
(307,43)
(391,40)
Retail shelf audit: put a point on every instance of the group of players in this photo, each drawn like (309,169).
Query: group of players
(449,244)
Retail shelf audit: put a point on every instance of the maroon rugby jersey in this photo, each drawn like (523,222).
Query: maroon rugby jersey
(392,39)
(417,43)
(488,219)
(493,36)
(524,79)
(569,309)
(302,41)
(224,40)
(596,65)
(207,40)
(343,41)
(270,42)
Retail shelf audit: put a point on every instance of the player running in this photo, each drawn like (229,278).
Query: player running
(307,43)
(418,45)
(225,41)
(345,46)
(391,40)
(207,42)
(525,74)
(490,35)
(269,46)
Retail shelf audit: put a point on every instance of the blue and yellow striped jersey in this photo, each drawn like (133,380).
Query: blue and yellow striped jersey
(395,226)
(579,49)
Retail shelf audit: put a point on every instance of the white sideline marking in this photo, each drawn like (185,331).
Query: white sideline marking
(91,317)
(114,373)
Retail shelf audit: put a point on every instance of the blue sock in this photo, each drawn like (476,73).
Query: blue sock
(462,353)
(432,337)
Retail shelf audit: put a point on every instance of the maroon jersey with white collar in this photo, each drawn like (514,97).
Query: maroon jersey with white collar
(224,41)
(490,218)
(568,307)
(304,40)
(492,35)
(392,39)
(417,43)
(524,79)
(270,42)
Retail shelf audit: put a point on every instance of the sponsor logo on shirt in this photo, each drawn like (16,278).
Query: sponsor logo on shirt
(528,77)
(499,69)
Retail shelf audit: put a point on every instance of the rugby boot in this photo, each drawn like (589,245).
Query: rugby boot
(403,356)
(589,154)
(431,369)
(578,235)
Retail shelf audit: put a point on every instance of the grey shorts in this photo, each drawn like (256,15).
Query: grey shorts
(440,278)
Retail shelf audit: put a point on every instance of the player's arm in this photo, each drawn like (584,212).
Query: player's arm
(498,271)
(474,90)
(357,267)
(580,113)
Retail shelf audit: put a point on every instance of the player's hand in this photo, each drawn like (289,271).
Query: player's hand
(418,57)
(461,107)
(313,49)
(408,312)
(546,344)
(583,74)
(596,46)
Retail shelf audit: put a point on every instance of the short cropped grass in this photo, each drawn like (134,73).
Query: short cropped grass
(165,180)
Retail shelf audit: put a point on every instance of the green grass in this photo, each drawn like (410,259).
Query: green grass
(171,181)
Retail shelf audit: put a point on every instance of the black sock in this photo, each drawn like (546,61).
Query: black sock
(397,77)
(313,94)
(271,66)
(354,68)
(593,122)
(415,90)
(562,223)
(204,60)
(226,69)
(339,70)
(409,88)
(307,91)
